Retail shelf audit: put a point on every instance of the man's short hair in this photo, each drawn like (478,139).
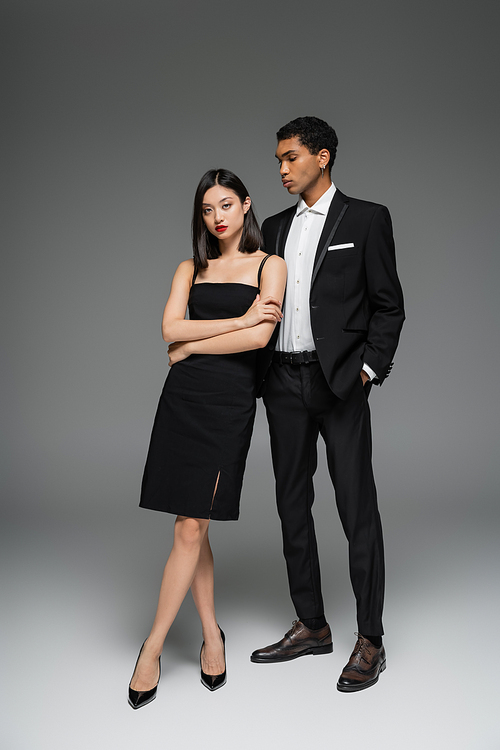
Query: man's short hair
(313,133)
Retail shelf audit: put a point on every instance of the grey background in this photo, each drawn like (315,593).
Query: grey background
(112,111)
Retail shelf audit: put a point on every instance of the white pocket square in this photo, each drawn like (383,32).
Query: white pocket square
(341,247)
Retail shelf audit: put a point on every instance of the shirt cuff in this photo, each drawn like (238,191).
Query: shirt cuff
(371,374)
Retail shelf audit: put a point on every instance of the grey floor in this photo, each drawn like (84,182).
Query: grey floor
(80,589)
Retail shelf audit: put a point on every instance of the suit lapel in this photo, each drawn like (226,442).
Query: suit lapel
(283,230)
(338,207)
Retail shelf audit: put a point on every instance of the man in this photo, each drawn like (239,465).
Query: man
(343,314)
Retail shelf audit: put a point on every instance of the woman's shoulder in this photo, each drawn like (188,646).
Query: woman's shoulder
(274,261)
(183,275)
(185,268)
(186,265)
(259,255)
(274,269)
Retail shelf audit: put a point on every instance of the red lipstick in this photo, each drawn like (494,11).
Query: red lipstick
(220,229)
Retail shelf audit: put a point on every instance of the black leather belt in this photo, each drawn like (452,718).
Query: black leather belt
(295,358)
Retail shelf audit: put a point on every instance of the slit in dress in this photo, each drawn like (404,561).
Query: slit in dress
(215,491)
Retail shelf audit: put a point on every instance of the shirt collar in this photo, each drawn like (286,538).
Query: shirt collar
(320,207)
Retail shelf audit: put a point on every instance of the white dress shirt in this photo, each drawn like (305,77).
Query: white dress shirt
(295,333)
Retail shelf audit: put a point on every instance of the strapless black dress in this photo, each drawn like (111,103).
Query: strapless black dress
(203,425)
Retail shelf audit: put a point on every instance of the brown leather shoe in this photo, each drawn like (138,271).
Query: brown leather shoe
(299,641)
(363,668)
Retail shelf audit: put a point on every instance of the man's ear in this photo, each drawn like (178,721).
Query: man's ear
(323,158)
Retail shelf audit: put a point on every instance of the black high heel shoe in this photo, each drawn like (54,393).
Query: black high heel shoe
(140,698)
(214,681)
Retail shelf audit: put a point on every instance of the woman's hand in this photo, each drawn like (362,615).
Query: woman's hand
(268,309)
(177,351)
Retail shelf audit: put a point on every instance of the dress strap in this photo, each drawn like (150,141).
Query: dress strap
(195,274)
(259,273)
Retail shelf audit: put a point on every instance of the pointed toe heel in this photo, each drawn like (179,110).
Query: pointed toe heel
(140,698)
(214,681)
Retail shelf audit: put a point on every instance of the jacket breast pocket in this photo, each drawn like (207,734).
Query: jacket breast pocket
(345,248)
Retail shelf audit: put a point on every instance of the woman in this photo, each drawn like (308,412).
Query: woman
(204,421)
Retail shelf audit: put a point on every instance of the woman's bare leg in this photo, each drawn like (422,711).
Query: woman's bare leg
(202,589)
(189,534)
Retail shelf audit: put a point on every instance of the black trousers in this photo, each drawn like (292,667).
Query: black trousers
(300,405)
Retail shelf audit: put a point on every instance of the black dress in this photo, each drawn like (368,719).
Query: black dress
(203,425)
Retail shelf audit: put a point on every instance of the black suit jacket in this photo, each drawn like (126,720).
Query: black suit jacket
(356,301)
